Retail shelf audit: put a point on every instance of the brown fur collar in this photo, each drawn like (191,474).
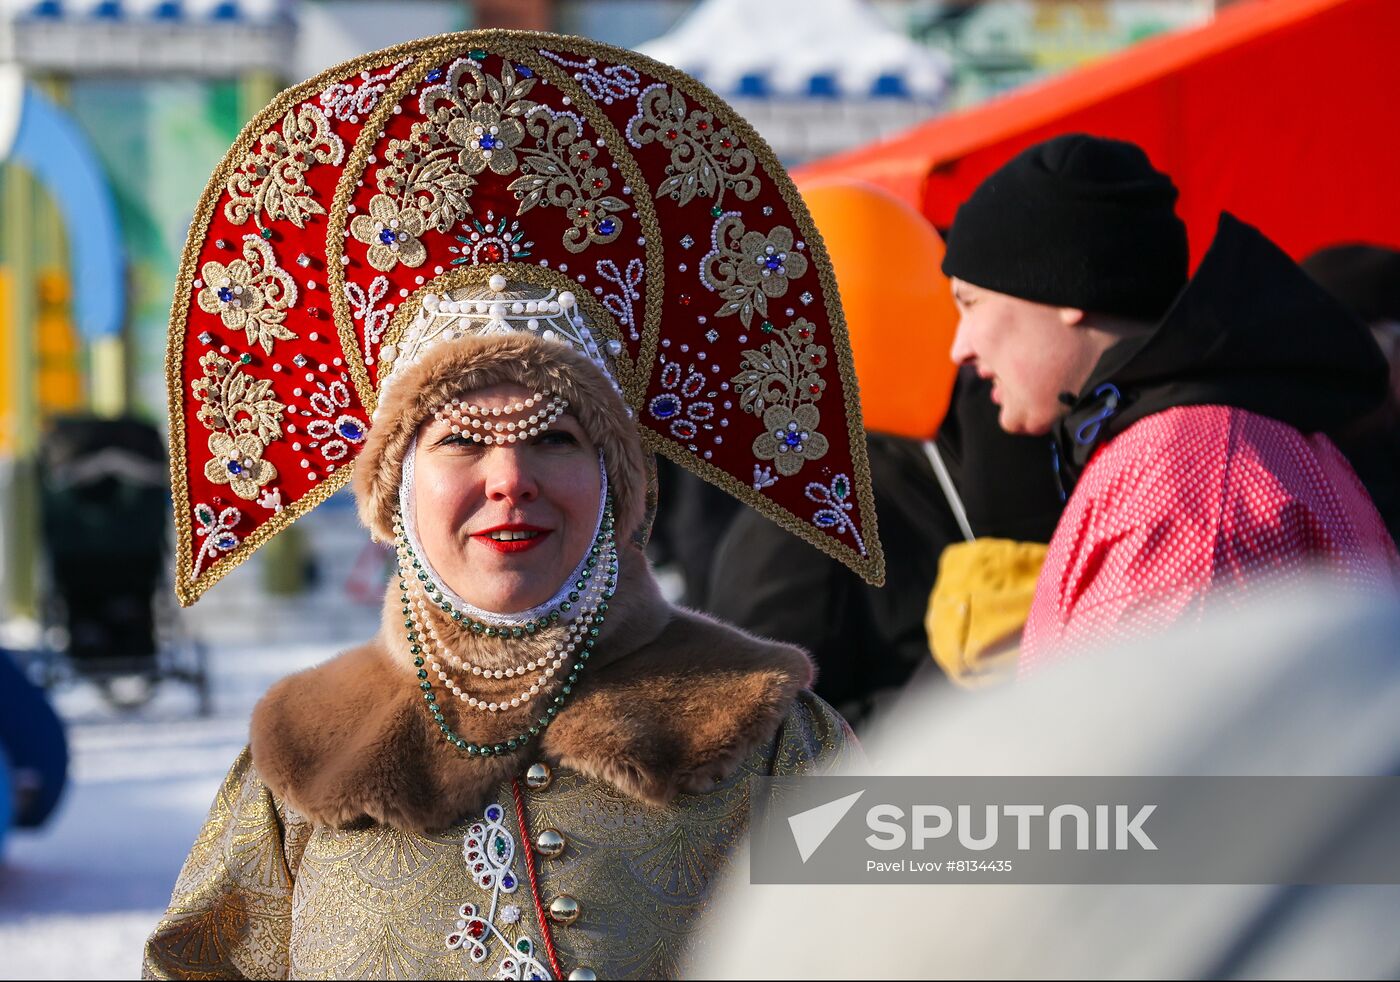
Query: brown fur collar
(670,702)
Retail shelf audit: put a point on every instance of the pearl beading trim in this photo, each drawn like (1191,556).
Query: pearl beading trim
(553,408)
(473,410)
(485,426)
(588,605)
(577,631)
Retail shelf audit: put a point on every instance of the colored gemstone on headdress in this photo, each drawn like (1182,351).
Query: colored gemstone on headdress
(665,406)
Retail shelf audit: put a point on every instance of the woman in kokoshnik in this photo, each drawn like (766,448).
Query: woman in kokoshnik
(445,263)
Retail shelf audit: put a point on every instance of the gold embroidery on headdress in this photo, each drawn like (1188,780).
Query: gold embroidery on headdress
(252,294)
(272,179)
(746,268)
(779,382)
(706,158)
(235,402)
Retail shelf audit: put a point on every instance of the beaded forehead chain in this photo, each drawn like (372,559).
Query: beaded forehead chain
(494,425)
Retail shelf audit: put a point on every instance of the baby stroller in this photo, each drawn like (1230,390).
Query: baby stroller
(105,501)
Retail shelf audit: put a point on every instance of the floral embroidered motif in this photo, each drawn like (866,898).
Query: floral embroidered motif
(779,382)
(489,851)
(252,294)
(479,114)
(236,403)
(563,171)
(272,179)
(422,171)
(791,438)
(490,139)
(835,516)
(747,268)
(491,241)
(606,86)
(706,158)
(363,308)
(686,418)
(215,528)
(391,233)
(619,304)
(348,102)
(238,462)
(477,122)
(473,123)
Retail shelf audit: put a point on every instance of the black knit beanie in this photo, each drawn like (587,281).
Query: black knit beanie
(1077,221)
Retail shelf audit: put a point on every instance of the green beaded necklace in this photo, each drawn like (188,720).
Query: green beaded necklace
(599,549)
(490,630)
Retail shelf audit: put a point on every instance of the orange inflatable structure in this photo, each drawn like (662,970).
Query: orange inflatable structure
(899,307)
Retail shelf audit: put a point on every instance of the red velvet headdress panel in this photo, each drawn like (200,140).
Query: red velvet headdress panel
(557,162)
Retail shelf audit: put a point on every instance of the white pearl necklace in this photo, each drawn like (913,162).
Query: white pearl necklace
(577,630)
(548,668)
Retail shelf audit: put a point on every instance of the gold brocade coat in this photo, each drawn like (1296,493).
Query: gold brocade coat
(639,821)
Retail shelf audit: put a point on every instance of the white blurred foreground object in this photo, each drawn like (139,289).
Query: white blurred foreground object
(1306,684)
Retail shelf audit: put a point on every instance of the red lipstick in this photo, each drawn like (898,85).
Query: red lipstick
(522,538)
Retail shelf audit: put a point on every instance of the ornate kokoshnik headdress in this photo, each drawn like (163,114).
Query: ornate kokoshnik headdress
(627,194)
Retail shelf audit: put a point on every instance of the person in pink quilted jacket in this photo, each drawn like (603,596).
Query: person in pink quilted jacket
(1187,416)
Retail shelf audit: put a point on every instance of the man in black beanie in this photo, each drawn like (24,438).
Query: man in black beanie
(1187,417)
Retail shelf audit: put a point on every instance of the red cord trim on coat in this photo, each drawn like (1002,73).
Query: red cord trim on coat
(534,883)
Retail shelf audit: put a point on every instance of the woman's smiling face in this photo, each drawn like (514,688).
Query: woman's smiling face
(504,524)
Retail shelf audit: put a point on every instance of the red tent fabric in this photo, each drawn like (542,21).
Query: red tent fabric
(1284,112)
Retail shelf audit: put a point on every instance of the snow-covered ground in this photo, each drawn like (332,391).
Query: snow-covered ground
(79,896)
